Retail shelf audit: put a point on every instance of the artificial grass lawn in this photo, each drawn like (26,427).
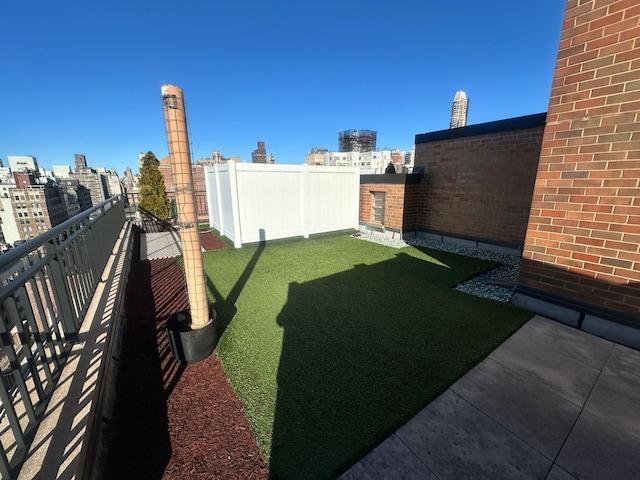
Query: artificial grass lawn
(332,343)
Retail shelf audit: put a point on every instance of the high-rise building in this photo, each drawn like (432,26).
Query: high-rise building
(357,141)
(90,179)
(81,161)
(459,110)
(113,183)
(259,155)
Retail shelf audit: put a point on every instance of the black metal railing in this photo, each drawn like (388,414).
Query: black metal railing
(46,286)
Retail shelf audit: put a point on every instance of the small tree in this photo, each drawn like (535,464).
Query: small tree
(153,195)
(390,168)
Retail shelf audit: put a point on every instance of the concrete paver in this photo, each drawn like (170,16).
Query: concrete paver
(393,459)
(522,406)
(160,245)
(616,395)
(558,473)
(552,402)
(598,449)
(456,440)
(535,354)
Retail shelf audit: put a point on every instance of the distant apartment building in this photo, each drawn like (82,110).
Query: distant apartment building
(6,184)
(61,171)
(409,157)
(129,180)
(37,208)
(113,184)
(7,220)
(82,195)
(94,181)
(72,201)
(22,163)
(371,162)
(217,157)
(5,174)
(459,110)
(315,156)
(259,155)
(24,179)
(357,141)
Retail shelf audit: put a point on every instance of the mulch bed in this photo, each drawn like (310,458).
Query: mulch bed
(210,241)
(173,421)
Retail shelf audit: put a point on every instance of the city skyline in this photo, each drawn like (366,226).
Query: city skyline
(86,79)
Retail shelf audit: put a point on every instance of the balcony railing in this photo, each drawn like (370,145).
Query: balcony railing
(46,286)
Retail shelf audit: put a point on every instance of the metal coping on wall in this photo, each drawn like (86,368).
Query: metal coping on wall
(479,240)
(582,308)
(517,123)
(392,179)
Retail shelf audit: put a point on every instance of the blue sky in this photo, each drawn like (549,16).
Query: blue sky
(85,77)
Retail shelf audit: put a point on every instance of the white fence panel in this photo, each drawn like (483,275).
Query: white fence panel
(221,200)
(333,199)
(257,202)
(213,201)
(270,201)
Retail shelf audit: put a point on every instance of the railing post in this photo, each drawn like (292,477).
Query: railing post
(60,286)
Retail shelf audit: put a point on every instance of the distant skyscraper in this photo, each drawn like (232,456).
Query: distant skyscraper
(259,155)
(459,110)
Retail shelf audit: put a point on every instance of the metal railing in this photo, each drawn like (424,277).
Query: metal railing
(46,286)
(137,217)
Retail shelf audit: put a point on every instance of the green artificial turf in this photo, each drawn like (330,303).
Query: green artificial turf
(332,343)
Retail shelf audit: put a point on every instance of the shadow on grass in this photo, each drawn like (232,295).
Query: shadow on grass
(364,350)
(226,307)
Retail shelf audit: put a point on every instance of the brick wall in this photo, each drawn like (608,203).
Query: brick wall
(583,237)
(198,183)
(401,200)
(479,179)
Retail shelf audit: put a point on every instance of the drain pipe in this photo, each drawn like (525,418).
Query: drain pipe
(191,333)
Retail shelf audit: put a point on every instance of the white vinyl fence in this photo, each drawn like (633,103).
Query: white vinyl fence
(251,202)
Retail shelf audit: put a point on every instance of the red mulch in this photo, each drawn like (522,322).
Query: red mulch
(210,241)
(173,421)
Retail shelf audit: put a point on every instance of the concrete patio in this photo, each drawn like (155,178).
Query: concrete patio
(552,402)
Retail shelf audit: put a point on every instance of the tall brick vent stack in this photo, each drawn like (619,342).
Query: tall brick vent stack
(583,237)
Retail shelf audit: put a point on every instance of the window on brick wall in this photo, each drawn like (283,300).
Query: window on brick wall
(378,207)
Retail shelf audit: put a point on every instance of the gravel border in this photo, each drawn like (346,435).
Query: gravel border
(496,284)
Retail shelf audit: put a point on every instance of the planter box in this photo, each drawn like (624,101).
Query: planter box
(189,345)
